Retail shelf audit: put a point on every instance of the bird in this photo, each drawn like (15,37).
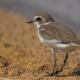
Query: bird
(57,37)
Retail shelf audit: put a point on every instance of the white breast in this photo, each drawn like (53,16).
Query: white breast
(40,37)
(49,42)
(53,42)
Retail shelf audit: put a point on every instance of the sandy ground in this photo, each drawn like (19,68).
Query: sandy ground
(24,57)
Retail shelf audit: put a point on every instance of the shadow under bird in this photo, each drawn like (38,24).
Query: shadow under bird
(57,37)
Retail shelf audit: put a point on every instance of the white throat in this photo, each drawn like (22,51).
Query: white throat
(38,25)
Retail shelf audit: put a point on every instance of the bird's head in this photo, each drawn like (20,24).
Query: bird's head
(41,19)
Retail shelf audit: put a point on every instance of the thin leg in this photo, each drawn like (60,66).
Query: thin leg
(53,60)
(54,63)
(65,60)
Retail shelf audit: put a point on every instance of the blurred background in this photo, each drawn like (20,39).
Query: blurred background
(65,11)
(22,55)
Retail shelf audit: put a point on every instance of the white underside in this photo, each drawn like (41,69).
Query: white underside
(55,43)
(52,42)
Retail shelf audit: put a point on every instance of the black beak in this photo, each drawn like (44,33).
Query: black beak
(31,21)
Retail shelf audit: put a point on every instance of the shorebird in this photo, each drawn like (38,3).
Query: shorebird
(57,37)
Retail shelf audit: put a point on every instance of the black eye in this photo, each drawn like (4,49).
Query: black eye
(38,19)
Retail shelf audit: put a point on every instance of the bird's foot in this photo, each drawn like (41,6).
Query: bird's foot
(52,73)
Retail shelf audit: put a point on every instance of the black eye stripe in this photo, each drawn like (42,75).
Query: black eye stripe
(38,19)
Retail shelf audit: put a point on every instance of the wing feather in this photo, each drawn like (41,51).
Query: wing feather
(59,32)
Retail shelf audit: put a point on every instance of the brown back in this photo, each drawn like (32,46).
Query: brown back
(59,32)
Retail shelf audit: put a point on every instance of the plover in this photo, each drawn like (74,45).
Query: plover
(56,36)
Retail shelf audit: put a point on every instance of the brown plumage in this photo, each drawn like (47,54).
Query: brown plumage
(57,36)
(59,32)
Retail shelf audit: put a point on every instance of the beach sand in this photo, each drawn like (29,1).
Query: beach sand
(24,57)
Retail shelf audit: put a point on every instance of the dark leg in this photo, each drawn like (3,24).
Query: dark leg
(54,63)
(65,60)
(61,69)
